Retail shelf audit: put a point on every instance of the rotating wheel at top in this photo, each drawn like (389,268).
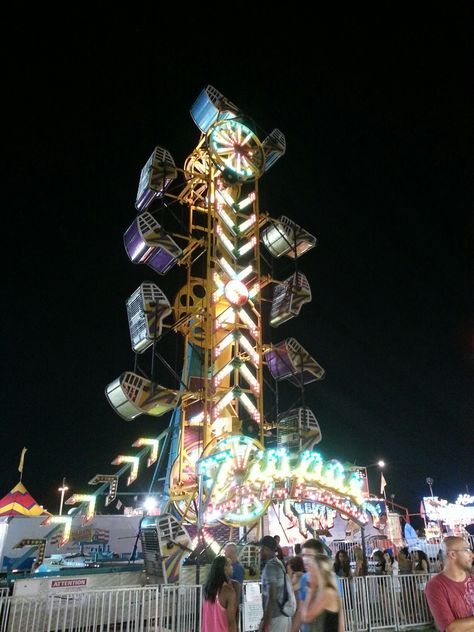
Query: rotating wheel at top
(235,149)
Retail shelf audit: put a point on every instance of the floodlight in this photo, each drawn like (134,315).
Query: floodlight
(150,503)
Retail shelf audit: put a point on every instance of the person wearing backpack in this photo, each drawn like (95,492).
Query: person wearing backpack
(278,598)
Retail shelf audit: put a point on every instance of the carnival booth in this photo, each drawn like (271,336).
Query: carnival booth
(21,520)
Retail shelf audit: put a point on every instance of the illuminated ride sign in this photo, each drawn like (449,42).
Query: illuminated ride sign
(239,480)
(459,513)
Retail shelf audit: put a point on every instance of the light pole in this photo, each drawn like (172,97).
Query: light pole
(430,482)
(383,482)
(380,464)
(363,470)
(392,496)
(63,489)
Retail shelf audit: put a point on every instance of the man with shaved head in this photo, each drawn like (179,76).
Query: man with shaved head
(450,594)
(230,551)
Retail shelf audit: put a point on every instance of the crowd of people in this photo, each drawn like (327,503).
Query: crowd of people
(315,576)
(314,585)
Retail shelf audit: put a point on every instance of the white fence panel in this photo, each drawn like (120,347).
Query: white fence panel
(379,602)
(152,608)
(21,614)
(370,603)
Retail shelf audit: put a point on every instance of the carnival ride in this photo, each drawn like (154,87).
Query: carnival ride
(218,469)
(203,222)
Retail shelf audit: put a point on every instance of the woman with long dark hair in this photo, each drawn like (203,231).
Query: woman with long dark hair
(295,569)
(420,563)
(342,568)
(342,565)
(219,604)
(390,564)
(421,566)
(379,562)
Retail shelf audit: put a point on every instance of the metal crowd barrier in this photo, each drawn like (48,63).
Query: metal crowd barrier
(379,602)
(370,603)
(151,608)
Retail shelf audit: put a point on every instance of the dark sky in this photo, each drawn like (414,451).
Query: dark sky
(379,128)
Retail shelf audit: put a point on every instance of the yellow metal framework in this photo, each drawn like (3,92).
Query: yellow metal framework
(224,221)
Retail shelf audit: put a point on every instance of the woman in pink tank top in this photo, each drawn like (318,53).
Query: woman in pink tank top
(219,605)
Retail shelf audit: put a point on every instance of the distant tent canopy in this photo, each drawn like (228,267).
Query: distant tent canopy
(19,502)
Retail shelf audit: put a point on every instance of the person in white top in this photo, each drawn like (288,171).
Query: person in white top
(391,568)
(390,564)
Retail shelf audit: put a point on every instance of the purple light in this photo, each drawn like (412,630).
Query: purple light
(146,242)
(289,360)
(160,260)
(134,243)
(279,363)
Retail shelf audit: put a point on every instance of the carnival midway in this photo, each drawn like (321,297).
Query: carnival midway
(231,467)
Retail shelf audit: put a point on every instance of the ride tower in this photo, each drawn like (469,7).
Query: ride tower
(218,469)
(220,425)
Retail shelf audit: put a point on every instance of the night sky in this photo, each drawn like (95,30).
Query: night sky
(379,131)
